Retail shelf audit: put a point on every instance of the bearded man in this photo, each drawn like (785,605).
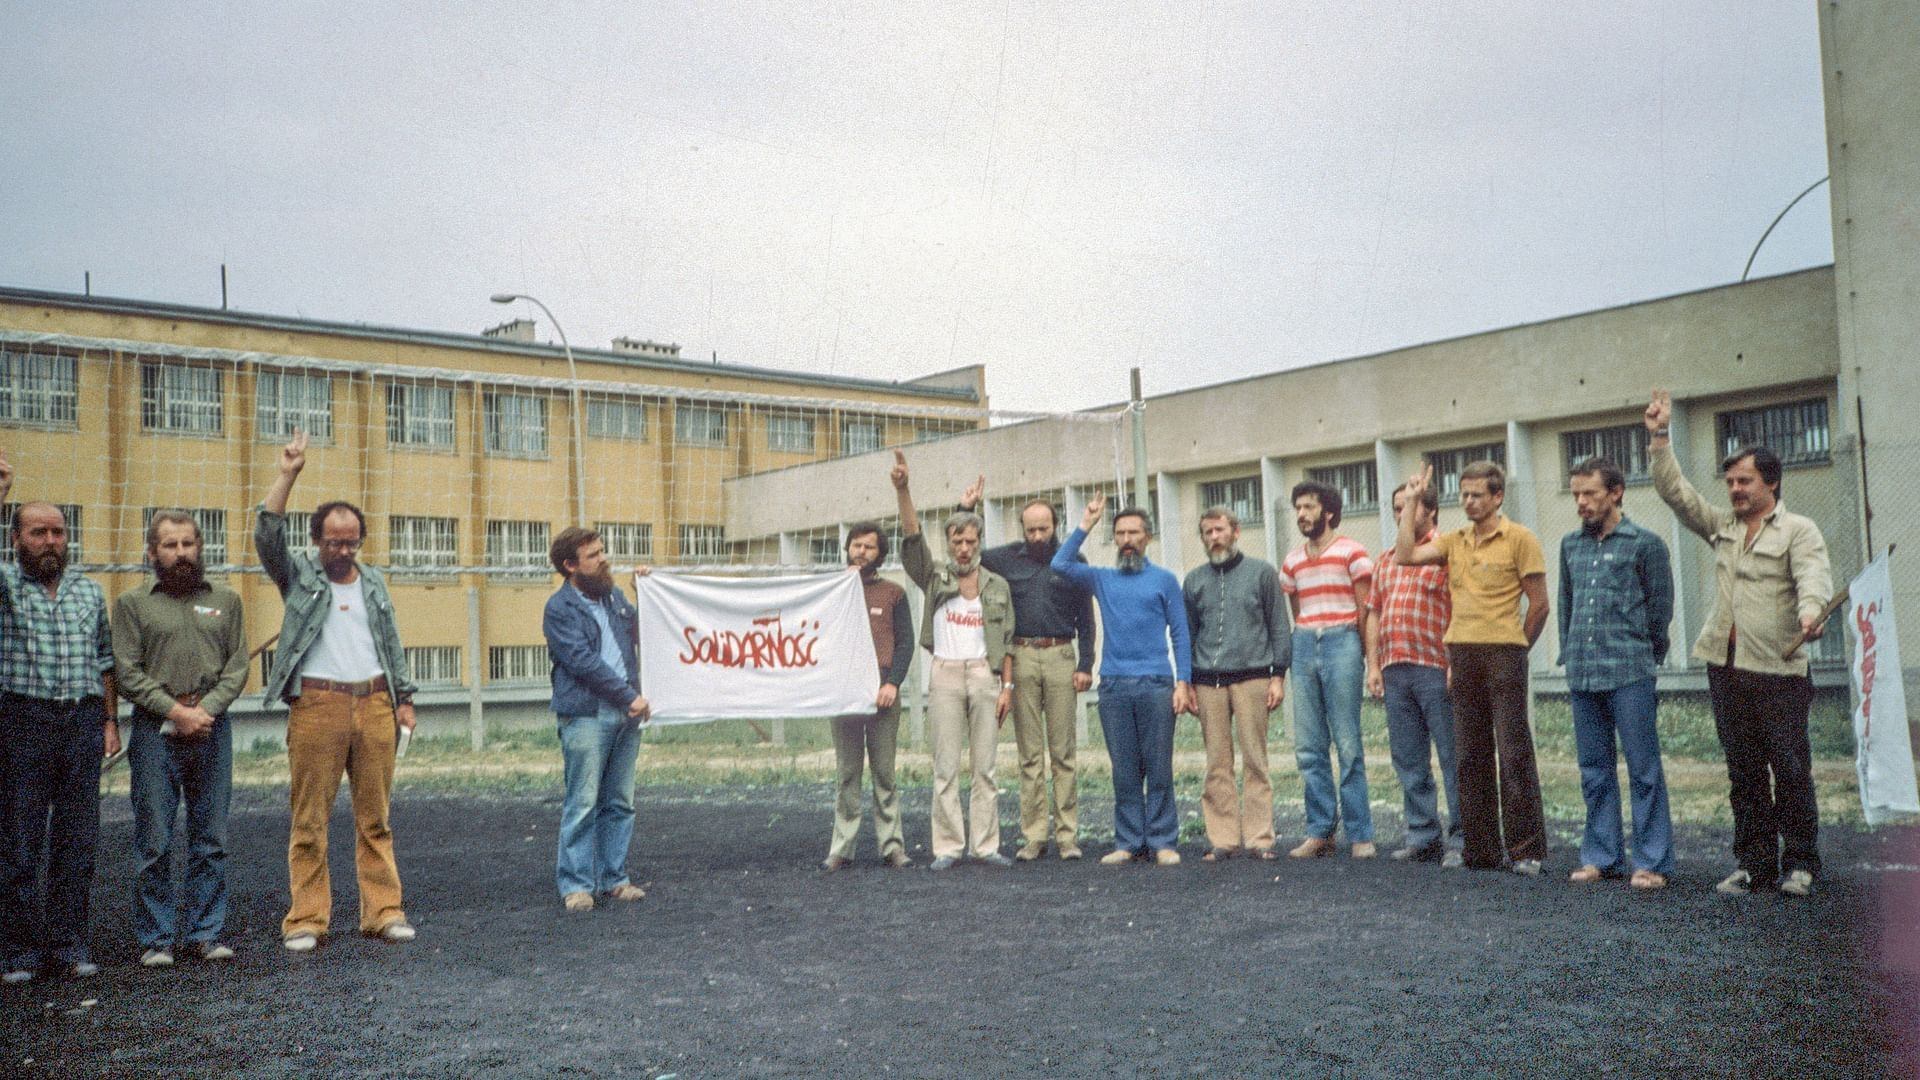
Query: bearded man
(864,739)
(181,649)
(56,724)
(592,630)
(969,630)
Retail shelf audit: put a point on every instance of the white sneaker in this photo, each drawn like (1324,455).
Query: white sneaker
(301,942)
(1738,883)
(1527,867)
(1797,883)
(156,958)
(396,932)
(215,951)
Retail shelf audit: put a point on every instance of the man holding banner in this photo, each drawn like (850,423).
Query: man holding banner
(591,632)
(862,739)
(1771,582)
(969,630)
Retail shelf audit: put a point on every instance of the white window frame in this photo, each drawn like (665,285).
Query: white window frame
(626,541)
(788,433)
(516,424)
(39,390)
(617,418)
(519,545)
(434,665)
(510,664)
(703,544)
(182,399)
(1241,494)
(700,423)
(863,425)
(422,543)
(285,400)
(420,416)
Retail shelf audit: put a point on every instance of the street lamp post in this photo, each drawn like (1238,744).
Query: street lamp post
(573,377)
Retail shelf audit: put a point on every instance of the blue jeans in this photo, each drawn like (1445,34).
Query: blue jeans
(1136,715)
(1597,716)
(163,771)
(596,816)
(1326,712)
(1419,724)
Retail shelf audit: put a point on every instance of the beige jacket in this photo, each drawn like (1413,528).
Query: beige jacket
(1764,589)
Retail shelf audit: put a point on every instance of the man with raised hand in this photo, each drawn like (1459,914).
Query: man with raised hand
(1616,599)
(340,667)
(57,722)
(1408,608)
(873,739)
(1492,564)
(180,645)
(592,631)
(1326,580)
(1237,616)
(1771,582)
(1142,612)
(1053,647)
(969,630)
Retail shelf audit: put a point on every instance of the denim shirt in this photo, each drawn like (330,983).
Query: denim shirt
(583,680)
(1616,599)
(304,587)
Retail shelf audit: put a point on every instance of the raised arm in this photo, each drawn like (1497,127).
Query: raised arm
(1066,561)
(270,525)
(1694,512)
(1406,551)
(914,557)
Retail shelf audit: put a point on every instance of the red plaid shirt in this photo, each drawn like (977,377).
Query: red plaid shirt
(1414,605)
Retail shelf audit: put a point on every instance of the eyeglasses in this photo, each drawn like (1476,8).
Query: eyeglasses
(342,545)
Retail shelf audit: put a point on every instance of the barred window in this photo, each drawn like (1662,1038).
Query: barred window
(213,531)
(1797,431)
(1242,496)
(299,528)
(180,399)
(414,542)
(703,543)
(72,512)
(1448,464)
(520,544)
(434,665)
(1624,444)
(825,551)
(419,415)
(516,424)
(790,434)
(617,420)
(38,390)
(860,436)
(518,663)
(696,424)
(1357,482)
(626,541)
(285,400)
(266,663)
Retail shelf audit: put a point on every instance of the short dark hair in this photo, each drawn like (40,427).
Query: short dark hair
(1605,469)
(317,521)
(168,517)
(1490,471)
(864,528)
(1765,461)
(1326,495)
(1146,520)
(566,547)
(1053,512)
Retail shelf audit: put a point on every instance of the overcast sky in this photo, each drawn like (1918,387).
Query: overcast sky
(1059,191)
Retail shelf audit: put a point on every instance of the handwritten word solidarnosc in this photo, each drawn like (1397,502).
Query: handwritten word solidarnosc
(769,644)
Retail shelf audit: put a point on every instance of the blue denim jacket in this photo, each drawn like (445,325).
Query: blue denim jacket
(303,586)
(582,682)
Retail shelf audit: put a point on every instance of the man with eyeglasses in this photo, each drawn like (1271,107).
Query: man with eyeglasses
(340,667)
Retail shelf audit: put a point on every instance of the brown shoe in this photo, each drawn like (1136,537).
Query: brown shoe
(1116,857)
(1166,856)
(628,892)
(579,901)
(898,859)
(1312,848)
(1219,854)
(1364,849)
(1647,880)
(1031,851)
(835,862)
(1586,875)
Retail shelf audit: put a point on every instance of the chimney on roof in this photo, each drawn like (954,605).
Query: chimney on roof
(657,350)
(515,330)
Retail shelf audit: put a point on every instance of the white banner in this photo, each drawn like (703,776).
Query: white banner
(714,648)
(1883,747)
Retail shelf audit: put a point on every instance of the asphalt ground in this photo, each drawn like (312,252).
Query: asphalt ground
(746,960)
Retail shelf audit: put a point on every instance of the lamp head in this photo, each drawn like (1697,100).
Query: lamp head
(505,297)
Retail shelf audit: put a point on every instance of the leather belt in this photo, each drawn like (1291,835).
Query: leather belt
(1042,642)
(363,688)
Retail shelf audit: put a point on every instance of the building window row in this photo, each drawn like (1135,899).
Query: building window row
(1240,495)
(37,390)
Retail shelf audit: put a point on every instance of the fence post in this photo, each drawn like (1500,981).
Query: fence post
(476,716)
(780,731)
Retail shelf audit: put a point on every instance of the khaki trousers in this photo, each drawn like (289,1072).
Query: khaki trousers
(1230,716)
(330,734)
(858,742)
(1043,719)
(961,696)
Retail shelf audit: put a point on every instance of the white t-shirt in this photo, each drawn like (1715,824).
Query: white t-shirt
(960,630)
(344,652)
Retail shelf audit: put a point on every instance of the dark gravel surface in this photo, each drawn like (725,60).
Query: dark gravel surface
(746,960)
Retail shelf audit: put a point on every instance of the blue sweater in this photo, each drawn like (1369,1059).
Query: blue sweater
(1136,613)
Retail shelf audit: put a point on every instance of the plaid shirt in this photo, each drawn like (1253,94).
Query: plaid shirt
(1616,599)
(1414,605)
(53,648)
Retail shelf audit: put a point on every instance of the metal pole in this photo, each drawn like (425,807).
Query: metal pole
(1139,409)
(476,719)
(573,377)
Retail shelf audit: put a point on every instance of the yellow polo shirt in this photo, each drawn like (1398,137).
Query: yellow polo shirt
(1485,578)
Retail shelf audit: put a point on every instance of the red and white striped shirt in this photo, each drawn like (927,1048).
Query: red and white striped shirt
(1413,604)
(1324,582)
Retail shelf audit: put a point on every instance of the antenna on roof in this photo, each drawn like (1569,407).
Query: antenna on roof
(87,278)
(223,286)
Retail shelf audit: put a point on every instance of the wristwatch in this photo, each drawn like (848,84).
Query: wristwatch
(1006,686)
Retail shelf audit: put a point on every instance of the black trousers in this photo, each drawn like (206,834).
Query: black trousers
(50,763)
(1500,814)
(1762,723)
